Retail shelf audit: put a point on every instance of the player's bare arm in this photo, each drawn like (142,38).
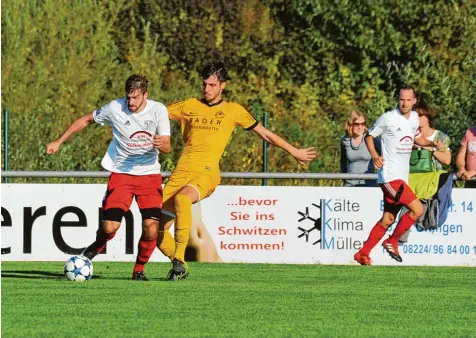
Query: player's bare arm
(75,127)
(303,156)
(377,159)
(162,143)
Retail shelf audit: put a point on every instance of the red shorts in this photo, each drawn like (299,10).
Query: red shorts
(121,188)
(395,194)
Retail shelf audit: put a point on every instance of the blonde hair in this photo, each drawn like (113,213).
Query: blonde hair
(354,115)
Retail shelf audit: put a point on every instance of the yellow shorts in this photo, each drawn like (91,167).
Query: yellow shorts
(205,185)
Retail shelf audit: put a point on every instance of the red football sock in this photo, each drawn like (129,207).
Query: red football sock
(146,248)
(101,239)
(376,234)
(405,223)
(99,244)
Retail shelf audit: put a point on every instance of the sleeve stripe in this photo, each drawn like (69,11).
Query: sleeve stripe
(252,126)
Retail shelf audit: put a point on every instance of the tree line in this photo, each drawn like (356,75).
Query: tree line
(307,63)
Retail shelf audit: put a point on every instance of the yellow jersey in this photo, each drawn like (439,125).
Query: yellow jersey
(206,130)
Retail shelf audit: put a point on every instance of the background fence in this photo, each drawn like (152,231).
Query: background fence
(241,175)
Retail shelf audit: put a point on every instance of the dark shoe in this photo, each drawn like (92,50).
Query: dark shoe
(392,250)
(179,271)
(362,259)
(139,275)
(89,253)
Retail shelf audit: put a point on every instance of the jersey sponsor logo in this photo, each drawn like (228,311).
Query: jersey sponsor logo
(406,139)
(140,134)
(140,140)
(219,115)
(127,123)
(98,111)
(405,146)
(204,123)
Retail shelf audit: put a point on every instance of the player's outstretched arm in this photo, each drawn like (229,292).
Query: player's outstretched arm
(75,127)
(303,156)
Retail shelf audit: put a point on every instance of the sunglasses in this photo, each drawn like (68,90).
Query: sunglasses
(355,124)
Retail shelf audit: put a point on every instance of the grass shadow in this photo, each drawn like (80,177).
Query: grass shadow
(32,274)
(37,274)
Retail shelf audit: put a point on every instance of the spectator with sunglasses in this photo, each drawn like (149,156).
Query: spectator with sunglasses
(355,158)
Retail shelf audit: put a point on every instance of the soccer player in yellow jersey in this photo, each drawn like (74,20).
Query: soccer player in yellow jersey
(206,126)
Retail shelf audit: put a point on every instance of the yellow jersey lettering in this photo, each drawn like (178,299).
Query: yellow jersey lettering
(202,123)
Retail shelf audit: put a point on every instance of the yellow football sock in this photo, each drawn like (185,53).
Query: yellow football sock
(166,243)
(183,225)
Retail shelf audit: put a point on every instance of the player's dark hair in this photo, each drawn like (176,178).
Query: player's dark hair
(408,87)
(217,68)
(136,81)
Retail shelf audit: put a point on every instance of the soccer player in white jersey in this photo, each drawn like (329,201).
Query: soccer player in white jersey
(398,130)
(140,128)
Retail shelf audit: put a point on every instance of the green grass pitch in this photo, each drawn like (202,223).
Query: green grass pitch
(239,300)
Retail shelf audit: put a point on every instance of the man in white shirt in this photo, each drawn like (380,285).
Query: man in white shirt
(141,128)
(398,130)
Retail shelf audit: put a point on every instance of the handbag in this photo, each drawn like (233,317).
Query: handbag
(421,161)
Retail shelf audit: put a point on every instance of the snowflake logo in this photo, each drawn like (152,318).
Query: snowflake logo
(316,224)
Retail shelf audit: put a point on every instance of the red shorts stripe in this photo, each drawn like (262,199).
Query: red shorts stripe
(397,193)
(389,190)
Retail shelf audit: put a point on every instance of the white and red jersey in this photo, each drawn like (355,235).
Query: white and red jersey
(131,150)
(397,134)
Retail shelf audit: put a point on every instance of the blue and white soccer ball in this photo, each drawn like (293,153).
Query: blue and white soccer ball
(78,269)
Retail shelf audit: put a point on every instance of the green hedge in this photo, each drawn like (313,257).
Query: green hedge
(306,62)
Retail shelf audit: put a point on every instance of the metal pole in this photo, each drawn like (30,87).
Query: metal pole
(241,175)
(5,143)
(250,175)
(265,150)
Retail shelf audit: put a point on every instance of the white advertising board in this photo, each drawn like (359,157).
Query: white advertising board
(302,225)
